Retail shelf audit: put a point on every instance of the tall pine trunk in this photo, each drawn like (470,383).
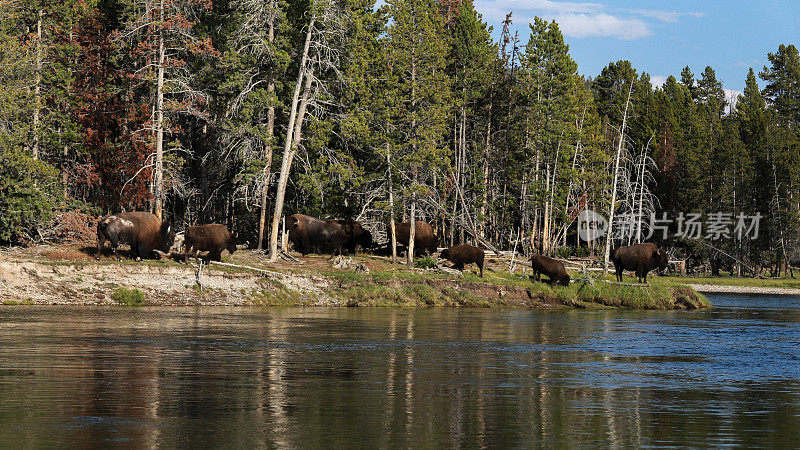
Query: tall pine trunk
(270,130)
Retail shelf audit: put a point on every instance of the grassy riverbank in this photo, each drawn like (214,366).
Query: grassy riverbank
(70,275)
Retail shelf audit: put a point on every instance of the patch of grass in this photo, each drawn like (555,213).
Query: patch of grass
(423,294)
(374,295)
(278,296)
(128,297)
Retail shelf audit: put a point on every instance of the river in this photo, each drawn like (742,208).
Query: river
(374,377)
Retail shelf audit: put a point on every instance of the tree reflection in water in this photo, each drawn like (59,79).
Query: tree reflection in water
(382,377)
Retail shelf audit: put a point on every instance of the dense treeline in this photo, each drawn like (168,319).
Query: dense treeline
(243,111)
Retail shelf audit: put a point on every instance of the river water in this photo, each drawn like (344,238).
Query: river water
(372,377)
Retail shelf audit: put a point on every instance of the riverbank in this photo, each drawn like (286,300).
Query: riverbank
(71,275)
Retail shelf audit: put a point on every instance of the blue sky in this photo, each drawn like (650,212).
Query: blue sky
(662,37)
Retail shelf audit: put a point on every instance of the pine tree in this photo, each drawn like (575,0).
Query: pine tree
(416,54)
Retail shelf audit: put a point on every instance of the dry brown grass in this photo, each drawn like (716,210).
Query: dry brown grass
(64,254)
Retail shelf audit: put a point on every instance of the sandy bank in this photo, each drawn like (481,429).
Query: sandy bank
(711,288)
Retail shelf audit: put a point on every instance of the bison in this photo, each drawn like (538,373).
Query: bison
(143,231)
(464,254)
(641,258)
(425,240)
(309,234)
(213,238)
(355,235)
(553,268)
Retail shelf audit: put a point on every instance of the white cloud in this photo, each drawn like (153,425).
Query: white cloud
(583,19)
(538,5)
(602,25)
(663,16)
(732,96)
(657,80)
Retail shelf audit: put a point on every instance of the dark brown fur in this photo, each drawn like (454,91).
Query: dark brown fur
(213,238)
(640,258)
(464,254)
(141,230)
(425,240)
(309,234)
(554,269)
(355,235)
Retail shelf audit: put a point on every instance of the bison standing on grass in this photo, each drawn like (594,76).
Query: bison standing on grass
(554,270)
(143,231)
(641,258)
(309,234)
(464,254)
(425,240)
(213,238)
(354,235)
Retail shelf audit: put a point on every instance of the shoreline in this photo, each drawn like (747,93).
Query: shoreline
(731,289)
(63,275)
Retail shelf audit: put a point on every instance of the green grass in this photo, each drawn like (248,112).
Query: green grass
(128,297)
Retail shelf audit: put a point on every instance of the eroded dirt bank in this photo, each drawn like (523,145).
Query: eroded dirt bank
(59,275)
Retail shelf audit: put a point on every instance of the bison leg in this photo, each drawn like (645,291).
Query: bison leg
(480,266)
(101,240)
(553,281)
(619,274)
(215,255)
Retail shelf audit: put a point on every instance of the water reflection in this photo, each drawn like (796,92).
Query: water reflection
(385,377)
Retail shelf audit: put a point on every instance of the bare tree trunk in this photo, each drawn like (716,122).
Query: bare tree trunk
(392,232)
(38,88)
(159,163)
(609,233)
(487,149)
(641,201)
(270,130)
(413,222)
(413,219)
(546,214)
(572,170)
(287,150)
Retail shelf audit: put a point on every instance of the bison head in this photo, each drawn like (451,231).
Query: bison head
(662,259)
(167,237)
(434,244)
(565,280)
(445,253)
(366,240)
(232,243)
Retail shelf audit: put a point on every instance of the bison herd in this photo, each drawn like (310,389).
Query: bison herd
(146,234)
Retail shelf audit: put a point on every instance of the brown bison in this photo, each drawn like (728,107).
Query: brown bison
(464,254)
(309,234)
(425,240)
(143,231)
(554,269)
(213,238)
(355,235)
(641,258)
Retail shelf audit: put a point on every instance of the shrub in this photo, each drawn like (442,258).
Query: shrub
(128,297)
(425,263)
(29,191)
